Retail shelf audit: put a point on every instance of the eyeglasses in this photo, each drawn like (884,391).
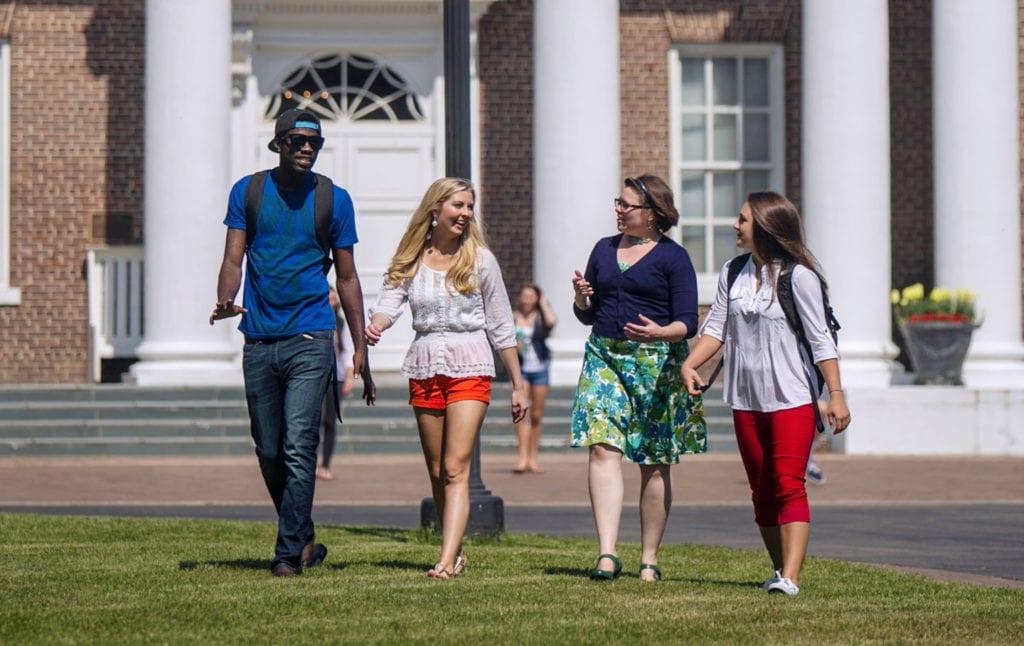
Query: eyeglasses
(625,206)
(298,142)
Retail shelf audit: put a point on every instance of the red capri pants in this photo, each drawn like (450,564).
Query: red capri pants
(775,447)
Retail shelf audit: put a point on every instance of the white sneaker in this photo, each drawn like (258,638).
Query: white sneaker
(782,585)
(768,582)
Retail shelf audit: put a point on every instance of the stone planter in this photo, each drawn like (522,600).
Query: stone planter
(937,350)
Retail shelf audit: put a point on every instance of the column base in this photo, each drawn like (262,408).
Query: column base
(867,364)
(189,372)
(994,365)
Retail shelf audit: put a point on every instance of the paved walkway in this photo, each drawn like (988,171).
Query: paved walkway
(955,515)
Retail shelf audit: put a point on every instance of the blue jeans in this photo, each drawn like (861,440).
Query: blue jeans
(285,382)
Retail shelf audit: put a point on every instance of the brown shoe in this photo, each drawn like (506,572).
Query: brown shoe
(283,569)
(313,555)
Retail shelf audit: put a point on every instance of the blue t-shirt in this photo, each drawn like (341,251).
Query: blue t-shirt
(285,289)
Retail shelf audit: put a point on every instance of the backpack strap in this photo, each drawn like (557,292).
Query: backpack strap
(323,213)
(253,198)
(735,267)
(784,290)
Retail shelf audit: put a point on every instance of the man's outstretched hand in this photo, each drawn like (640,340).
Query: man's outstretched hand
(226,310)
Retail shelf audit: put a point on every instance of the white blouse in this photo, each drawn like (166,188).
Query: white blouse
(765,368)
(454,332)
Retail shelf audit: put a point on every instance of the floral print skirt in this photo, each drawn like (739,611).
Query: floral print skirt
(631,396)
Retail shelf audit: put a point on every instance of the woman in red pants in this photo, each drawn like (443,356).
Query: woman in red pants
(769,380)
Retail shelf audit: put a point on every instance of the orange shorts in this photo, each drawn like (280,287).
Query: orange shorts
(440,390)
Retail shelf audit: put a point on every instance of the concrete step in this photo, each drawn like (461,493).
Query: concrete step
(130,420)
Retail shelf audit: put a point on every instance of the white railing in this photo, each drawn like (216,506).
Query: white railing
(114,276)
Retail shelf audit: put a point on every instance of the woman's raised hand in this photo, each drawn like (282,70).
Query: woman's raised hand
(645,332)
(582,288)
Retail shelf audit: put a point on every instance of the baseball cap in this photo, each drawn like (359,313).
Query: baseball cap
(291,120)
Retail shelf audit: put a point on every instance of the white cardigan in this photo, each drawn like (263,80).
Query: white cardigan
(454,332)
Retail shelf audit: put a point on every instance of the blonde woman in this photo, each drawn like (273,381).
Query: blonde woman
(460,309)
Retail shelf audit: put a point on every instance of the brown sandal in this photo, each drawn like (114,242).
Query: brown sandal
(440,572)
(460,564)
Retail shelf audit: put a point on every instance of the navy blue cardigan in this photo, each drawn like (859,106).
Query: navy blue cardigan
(662,286)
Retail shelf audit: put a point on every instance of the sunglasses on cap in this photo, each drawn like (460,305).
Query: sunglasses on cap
(297,142)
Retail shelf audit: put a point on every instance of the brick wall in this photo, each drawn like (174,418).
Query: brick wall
(910,126)
(76,158)
(912,205)
(650,27)
(506,118)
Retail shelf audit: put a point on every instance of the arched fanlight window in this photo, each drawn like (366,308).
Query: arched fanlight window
(347,87)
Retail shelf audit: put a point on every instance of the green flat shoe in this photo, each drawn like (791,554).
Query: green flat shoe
(606,575)
(652,568)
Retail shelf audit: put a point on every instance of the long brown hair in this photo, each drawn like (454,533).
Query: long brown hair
(779,232)
(462,274)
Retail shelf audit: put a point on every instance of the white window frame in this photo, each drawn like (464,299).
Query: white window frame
(8,295)
(707,282)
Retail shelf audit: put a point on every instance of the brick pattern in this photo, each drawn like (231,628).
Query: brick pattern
(506,118)
(910,126)
(650,27)
(76,154)
(912,204)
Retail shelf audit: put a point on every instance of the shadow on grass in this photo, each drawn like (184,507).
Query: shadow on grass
(402,565)
(235,564)
(566,571)
(246,564)
(732,584)
(389,533)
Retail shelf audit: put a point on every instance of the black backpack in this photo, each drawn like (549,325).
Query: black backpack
(323,211)
(784,290)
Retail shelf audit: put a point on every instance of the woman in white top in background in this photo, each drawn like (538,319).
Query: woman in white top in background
(460,309)
(767,379)
(534,321)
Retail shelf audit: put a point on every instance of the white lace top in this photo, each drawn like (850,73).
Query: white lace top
(765,369)
(454,332)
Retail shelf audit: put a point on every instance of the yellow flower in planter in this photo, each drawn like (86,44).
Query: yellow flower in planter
(941,305)
(914,292)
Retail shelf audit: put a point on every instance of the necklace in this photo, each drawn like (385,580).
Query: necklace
(634,240)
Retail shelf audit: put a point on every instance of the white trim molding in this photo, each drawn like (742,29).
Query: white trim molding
(8,295)
(774,166)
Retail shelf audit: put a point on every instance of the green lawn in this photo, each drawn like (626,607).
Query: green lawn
(100,580)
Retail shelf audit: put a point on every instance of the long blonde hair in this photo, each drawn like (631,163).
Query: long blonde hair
(462,274)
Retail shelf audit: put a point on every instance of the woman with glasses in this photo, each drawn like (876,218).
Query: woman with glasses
(460,310)
(639,294)
(768,379)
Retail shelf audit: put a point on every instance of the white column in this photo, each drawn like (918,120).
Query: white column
(846,174)
(977,177)
(575,152)
(187,139)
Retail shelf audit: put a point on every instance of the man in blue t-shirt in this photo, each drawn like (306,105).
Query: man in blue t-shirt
(288,359)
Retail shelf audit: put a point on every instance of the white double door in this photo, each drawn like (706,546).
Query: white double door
(386,168)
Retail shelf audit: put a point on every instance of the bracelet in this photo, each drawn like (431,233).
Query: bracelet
(835,390)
